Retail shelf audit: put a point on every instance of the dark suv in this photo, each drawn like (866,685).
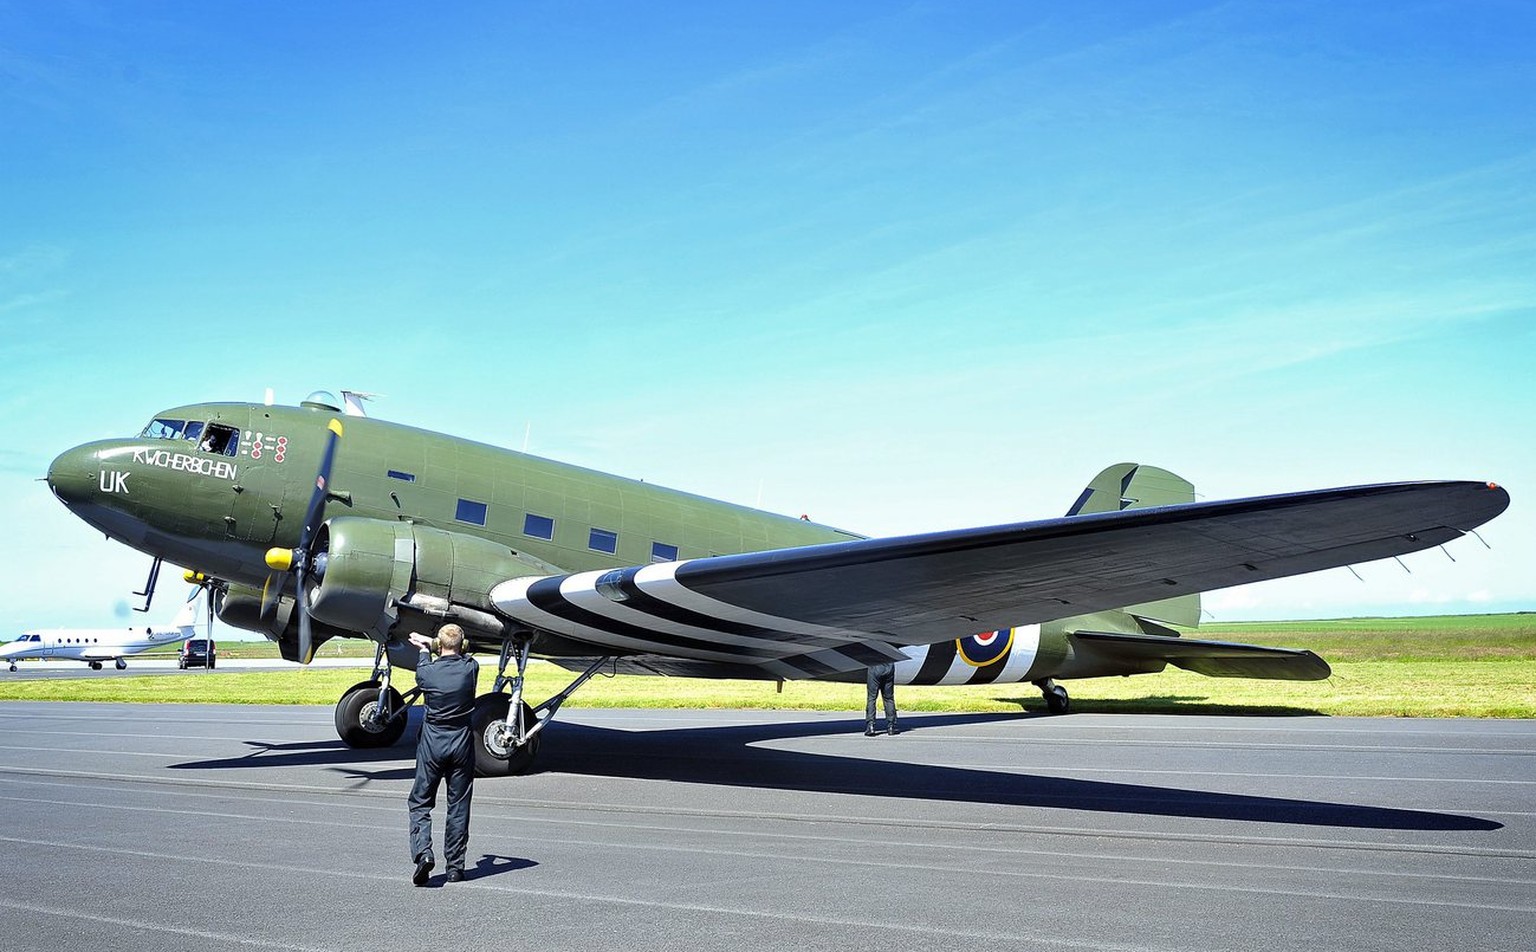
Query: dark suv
(197,653)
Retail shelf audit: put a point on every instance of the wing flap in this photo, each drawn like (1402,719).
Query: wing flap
(1217,659)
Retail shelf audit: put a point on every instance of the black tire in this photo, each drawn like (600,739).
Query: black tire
(95,665)
(491,760)
(121,664)
(1057,702)
(213,662)
(355,705)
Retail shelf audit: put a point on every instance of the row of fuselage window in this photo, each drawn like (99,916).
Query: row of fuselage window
(543,527)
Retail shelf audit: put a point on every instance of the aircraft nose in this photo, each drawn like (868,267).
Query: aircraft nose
(72,476)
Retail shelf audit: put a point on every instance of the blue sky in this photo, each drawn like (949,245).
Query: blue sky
(897,266)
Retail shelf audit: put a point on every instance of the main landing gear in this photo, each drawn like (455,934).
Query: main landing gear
(371,713)
(506,728)
(122,665)
(1056,700)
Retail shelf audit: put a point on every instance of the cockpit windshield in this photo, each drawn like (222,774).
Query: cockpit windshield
(160,429)
(209,437)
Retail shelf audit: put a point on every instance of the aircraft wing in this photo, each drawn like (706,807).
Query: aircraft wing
(822,608)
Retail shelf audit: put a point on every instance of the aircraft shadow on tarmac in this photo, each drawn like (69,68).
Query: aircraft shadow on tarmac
(1194,705)
(729,756)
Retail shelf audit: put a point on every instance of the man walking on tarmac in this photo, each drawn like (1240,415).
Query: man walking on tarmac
(445,750)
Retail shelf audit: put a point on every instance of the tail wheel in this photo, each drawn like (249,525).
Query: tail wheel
(495,753)
(355,713)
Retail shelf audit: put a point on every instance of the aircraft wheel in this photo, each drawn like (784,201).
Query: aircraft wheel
(495,755)
(1056,700)
(121,664)
(95,665)
(13,666)
(353,712)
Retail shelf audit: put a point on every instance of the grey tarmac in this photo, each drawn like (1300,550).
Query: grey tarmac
(167,827)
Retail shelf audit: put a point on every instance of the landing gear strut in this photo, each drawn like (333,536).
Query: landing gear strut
(371,713)
(121,664)
(1056,700)
(506,728)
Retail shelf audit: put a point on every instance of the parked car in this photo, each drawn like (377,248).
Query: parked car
(198,653)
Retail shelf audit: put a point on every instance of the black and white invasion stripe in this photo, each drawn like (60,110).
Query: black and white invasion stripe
(647,610)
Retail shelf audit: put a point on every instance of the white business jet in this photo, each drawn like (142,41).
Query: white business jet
(95,645)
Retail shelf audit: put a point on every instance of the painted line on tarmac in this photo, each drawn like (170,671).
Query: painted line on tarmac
(225,938)
(842,841)
(761,914)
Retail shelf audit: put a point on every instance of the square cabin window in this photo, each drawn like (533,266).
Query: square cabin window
(601,540)
(471,512)
(540,527)
(661,552)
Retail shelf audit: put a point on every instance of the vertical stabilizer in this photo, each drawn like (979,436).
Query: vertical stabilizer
(186,619)
(1134,486)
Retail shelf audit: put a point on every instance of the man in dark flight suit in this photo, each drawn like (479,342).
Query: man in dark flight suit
(444,751)
(880,680)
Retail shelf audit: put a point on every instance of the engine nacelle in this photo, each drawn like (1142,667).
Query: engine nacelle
(248,607)
(362,564)
(369,568)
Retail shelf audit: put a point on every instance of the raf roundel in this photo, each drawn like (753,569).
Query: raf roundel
(989,647)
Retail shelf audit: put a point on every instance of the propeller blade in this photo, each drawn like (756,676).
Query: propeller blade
(322,481)
(297,559)
(270,593)
(302,595)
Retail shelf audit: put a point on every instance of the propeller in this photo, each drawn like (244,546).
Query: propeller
(299,559)
(204,584)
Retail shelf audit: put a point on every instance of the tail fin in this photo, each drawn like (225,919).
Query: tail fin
(186,619)
(1134,486)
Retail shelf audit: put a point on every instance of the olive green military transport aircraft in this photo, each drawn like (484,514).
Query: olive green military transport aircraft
(305,524)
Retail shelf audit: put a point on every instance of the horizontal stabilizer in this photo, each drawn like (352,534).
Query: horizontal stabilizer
(1217,659)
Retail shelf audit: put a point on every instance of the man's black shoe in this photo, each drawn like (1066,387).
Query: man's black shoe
(455,875)
(893,730)
(869,732)
(423,869)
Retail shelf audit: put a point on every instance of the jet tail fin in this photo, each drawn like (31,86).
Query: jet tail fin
(186,618)
(1135,486)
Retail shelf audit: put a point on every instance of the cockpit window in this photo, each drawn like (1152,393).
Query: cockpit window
(164,429)
(193,431)
(220,439)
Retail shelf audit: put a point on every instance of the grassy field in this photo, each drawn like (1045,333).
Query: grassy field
(1449,666)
